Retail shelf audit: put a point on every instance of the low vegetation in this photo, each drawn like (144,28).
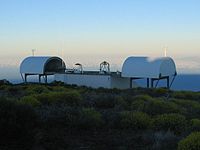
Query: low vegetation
(58,116)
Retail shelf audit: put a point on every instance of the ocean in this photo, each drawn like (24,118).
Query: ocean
(187,82)
(182,82)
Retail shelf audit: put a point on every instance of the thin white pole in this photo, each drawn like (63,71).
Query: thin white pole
(33,52)
(165,51)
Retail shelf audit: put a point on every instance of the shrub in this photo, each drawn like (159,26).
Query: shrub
(90,118)
(14,90)
(71,98)
(195,124)
(186,95)
(192,108)
(173,122)
(71,117)
(54,139)
(59,89)
(154,106)
(160,92)
(135,120)
(59,116)
(17,125)
(105,101)
(121,103)
(143,97)
(111,118)
(140,102)
(30,100)
(44,98)
(191,142)
(165,140)
(159,106)
(3,87)
(36,89)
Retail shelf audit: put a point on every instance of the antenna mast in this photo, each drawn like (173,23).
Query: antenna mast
(33,52)
(62,58)
(165,49)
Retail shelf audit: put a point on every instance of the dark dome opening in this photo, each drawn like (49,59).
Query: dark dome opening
(54,65)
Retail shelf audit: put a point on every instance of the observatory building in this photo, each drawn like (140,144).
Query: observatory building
(150,69)
(41,66)
(95,79)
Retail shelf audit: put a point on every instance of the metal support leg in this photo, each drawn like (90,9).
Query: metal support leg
(172,81)
(46,79)
(152,83)
(25,76)
(22,77)
(131,83)
(39,78)
(157,83)
(168,83)
(147,82)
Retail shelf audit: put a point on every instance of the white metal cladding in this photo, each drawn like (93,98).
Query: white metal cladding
(145,67)
(106,81)
(36,64)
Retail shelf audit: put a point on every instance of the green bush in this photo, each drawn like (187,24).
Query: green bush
(90,118)
(71,117)
(160,92)
(192,108)
(142,97)
(121,103)
(191,142)
(36,89)
(59,89)
(71,98)
(17,125)
(14,90)
(44,98)
(154,106)
(3,87)
(111,119)
(105,101)
(139,102)
(173,122)
(59,116)
(165,140)
(195,124)
(186,95)
(160,106)
(135,120)
(29,100)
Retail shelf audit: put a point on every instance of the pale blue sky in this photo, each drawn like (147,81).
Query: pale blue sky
(90,31)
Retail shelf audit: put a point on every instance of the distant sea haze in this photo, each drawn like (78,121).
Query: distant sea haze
(187,82)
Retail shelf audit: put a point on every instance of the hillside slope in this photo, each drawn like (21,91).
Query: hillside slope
(57,116)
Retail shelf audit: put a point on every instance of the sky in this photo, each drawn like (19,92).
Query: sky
(91,31)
